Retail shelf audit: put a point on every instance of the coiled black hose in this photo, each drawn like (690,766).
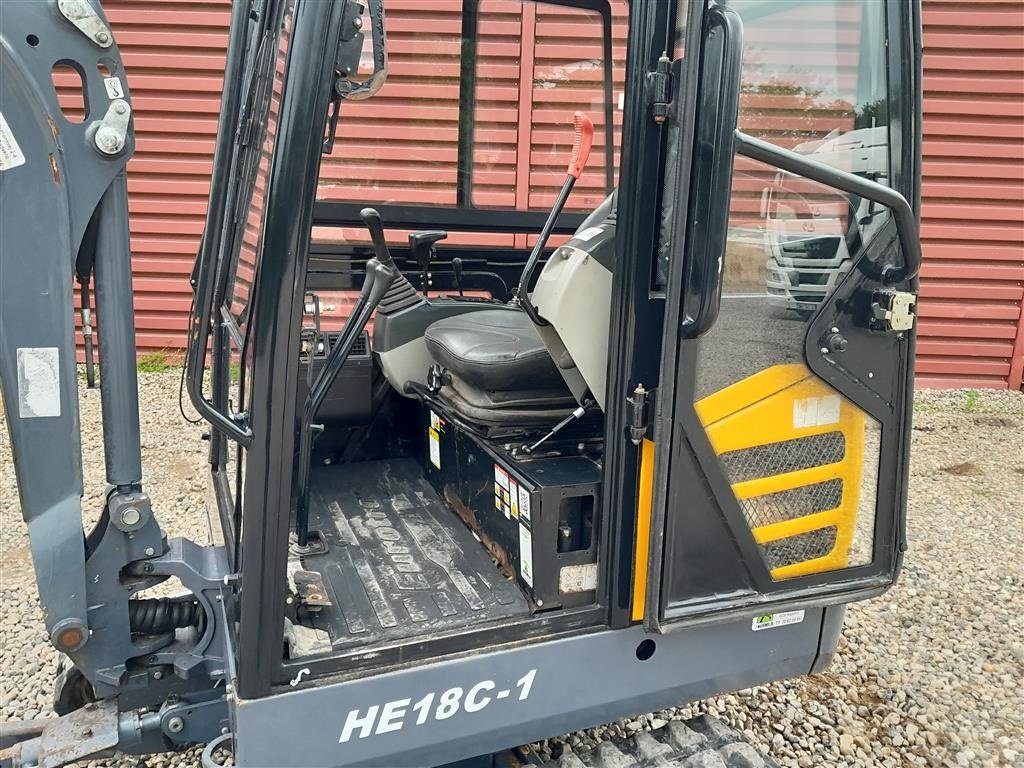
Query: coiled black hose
(158,616)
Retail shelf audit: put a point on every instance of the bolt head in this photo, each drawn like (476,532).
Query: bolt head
(120,108)
(158,675)
(150,551)
(357,23)
(102,37)
(130,516)
(175,725)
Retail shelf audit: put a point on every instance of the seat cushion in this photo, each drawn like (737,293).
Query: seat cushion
(497,350)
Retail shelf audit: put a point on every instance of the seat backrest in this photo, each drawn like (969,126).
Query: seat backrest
(573,295)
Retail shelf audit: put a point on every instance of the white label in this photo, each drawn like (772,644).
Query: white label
(588,234)
(433,706)
(577,578)
(435,421)
(114,88)
(772,620)
(434,438)
(816,411)
(524,505)
(526,554)
(10,152)
(501,477)
(513,496)
(38,382)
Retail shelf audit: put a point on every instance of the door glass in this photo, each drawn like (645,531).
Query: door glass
(801,458)
(537,64)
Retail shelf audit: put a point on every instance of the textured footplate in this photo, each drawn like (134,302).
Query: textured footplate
(702,742)
(399,564)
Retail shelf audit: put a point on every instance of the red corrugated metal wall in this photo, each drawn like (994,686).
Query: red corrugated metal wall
(971,331)
(972,218)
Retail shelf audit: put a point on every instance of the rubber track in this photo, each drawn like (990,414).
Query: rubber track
(703,742)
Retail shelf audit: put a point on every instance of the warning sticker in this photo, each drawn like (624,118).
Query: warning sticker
(434,438)
(38,382)
(513,493)
(502,497)
(10,153)
(435,422)
(524,505)
(815,411)
(772,620)
(526,554)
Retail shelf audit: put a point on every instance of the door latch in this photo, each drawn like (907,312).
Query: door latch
(892,311)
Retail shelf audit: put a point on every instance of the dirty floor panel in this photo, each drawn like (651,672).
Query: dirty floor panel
(398,563)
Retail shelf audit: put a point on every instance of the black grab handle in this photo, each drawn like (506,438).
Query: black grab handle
(718,113)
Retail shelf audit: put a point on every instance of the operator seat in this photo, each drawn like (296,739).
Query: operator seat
(500,372)
(504,371)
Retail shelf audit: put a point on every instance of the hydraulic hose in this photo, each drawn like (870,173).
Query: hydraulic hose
(159,616)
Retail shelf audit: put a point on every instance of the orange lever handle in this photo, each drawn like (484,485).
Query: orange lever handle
(581,143)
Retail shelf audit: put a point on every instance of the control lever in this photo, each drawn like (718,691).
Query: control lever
(582,142)
(457,272)
(424,248)
(379,278)
(373,223)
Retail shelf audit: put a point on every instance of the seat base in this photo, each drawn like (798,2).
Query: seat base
(478,407)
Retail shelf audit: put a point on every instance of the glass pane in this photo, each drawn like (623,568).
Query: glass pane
(255,166)
(814,80)
(524,110)
(802,459)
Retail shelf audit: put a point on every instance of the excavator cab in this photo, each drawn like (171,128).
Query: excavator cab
(498,384)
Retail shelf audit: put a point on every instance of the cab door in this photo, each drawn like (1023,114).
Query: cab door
(780,442)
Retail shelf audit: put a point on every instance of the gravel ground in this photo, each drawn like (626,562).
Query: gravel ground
(931,674)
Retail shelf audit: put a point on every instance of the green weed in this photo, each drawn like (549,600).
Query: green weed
(971,401)
(153,362)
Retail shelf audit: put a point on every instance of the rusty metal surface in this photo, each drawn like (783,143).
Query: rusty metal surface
(84,733)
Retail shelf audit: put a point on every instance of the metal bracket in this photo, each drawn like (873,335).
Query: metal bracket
(636,404)
(311,589)
(86,732)
(892,311)
(83,15)
(112,131)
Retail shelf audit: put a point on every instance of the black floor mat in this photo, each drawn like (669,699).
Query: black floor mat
(399,563)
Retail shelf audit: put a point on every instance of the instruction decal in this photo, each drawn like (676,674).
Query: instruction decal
(577,578)
(513,494)
(524,506)
(773,620)
(526,554)
(816,411)
(502,494)
(38,382)
(114,88)
(11,155)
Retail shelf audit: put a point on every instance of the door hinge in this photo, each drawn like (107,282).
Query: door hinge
(636,409)
(892,311)
(659,84)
